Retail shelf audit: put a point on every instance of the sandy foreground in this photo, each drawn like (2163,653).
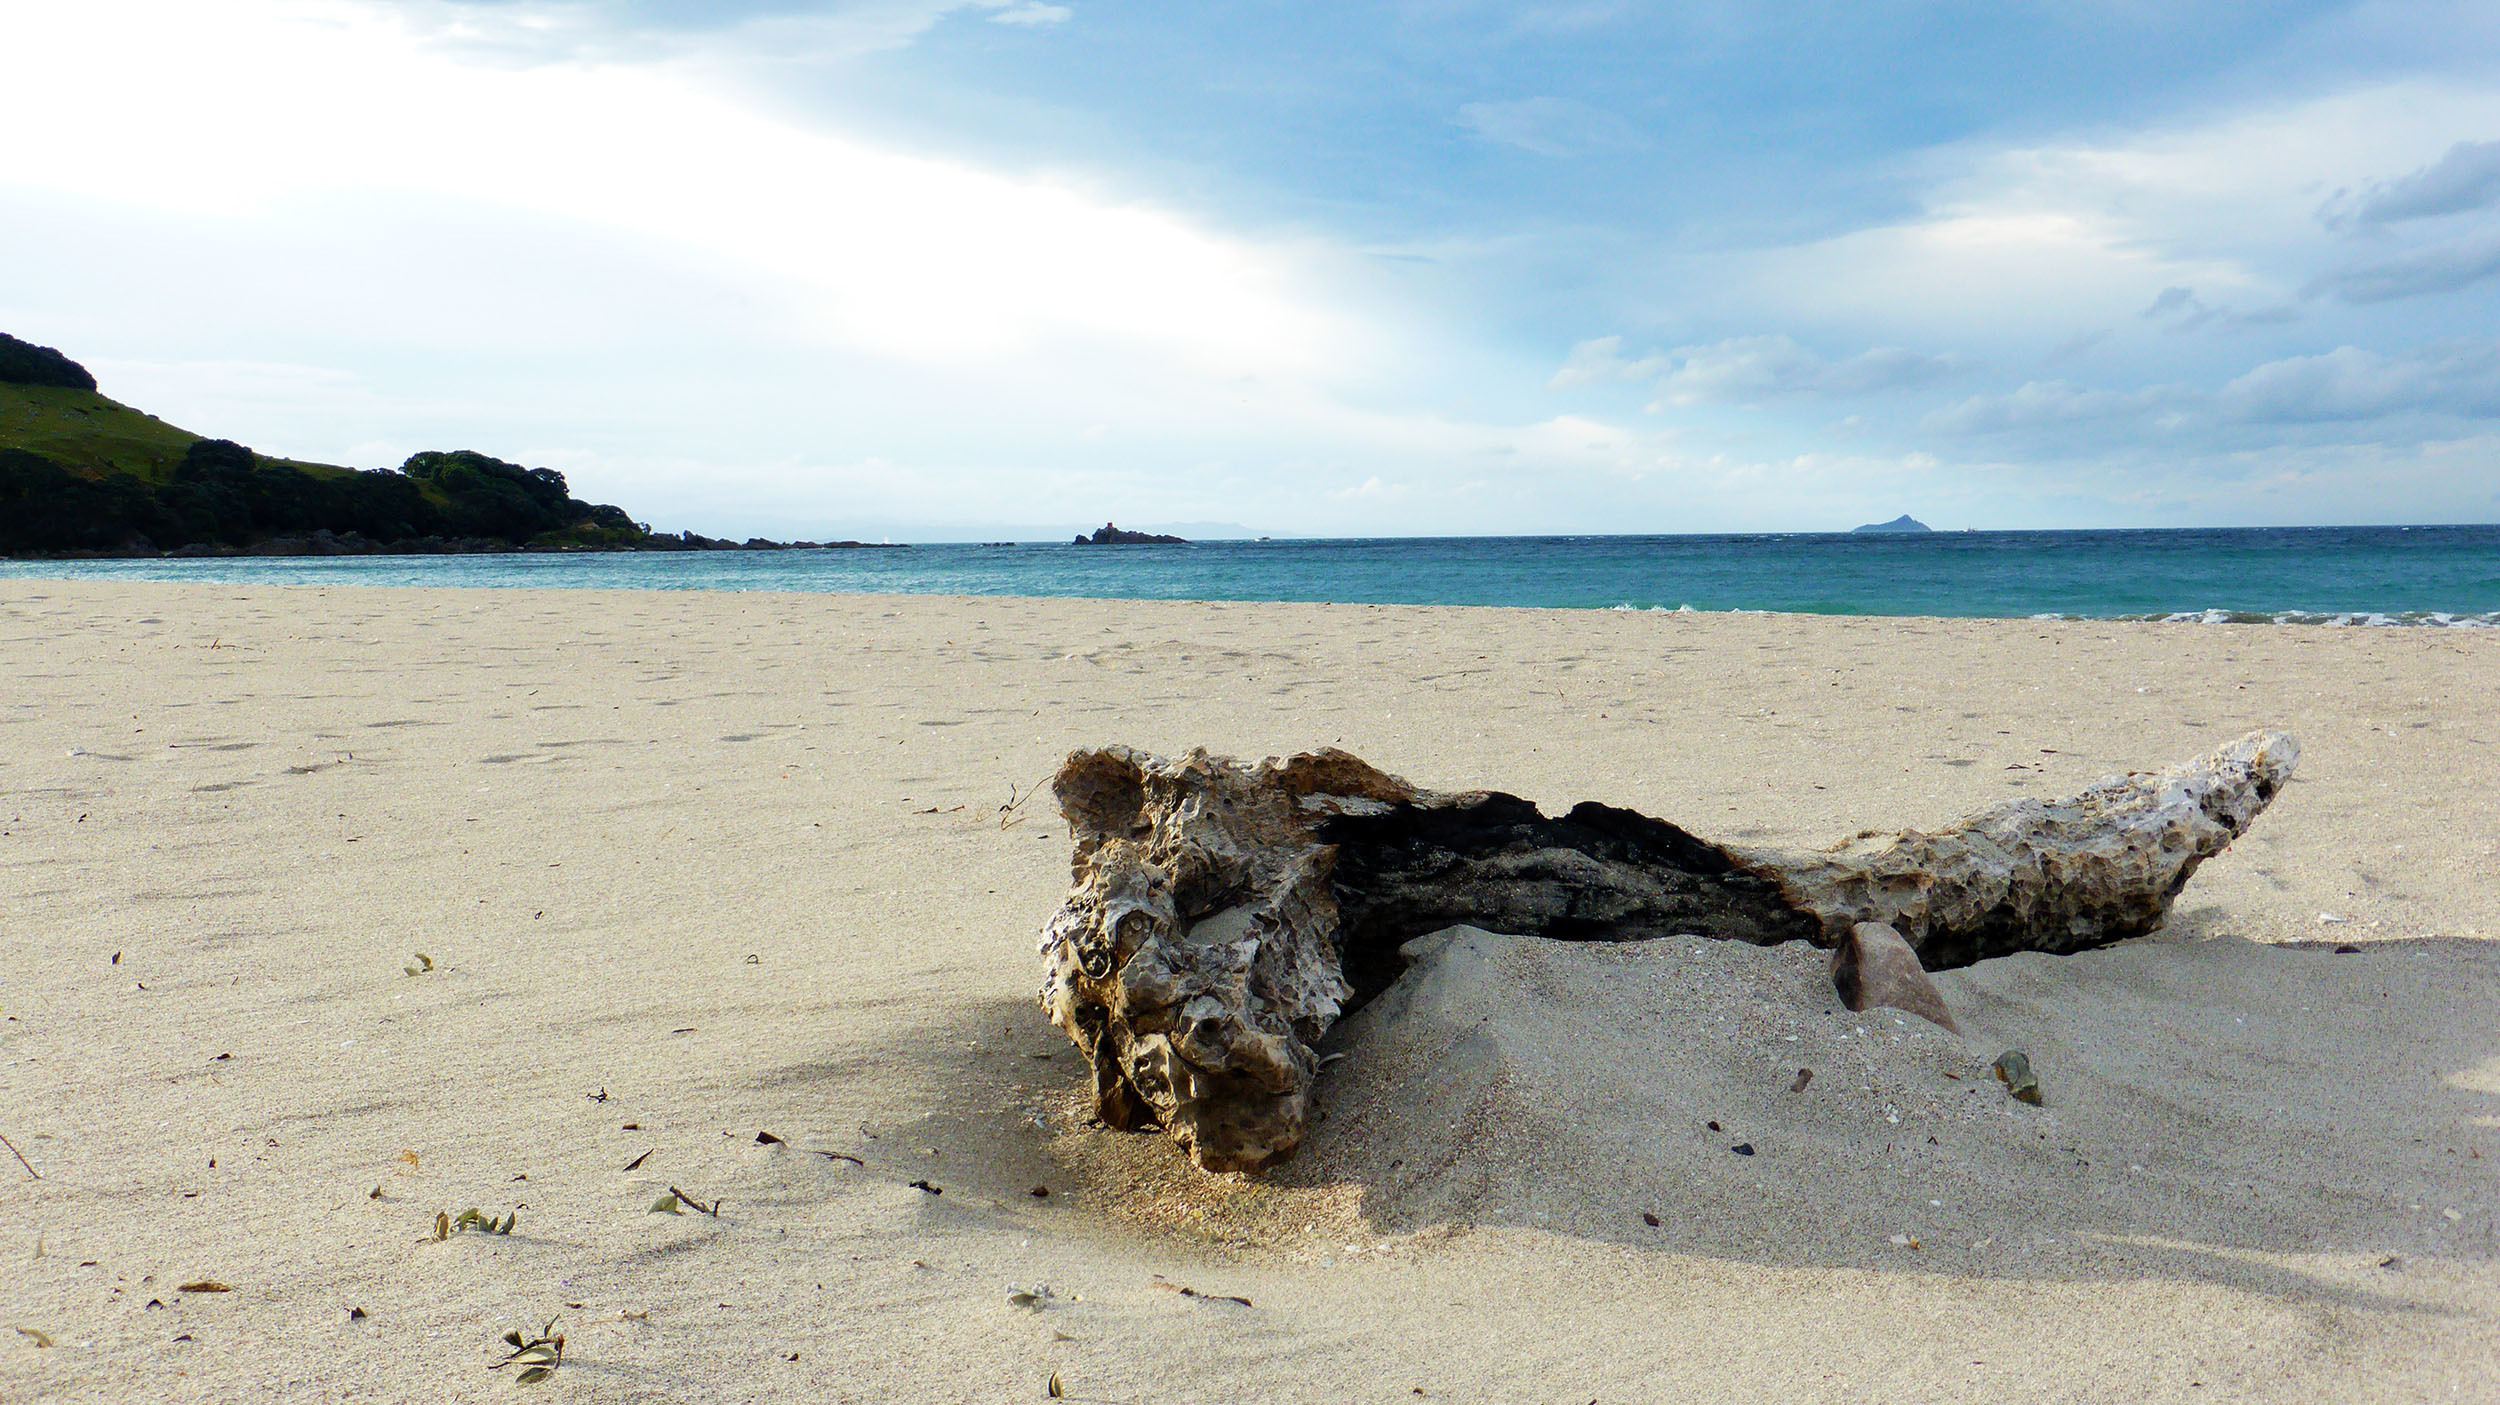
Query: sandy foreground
(695,867)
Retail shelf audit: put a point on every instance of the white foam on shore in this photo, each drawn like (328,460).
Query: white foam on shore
(2370,619)
(2364,619)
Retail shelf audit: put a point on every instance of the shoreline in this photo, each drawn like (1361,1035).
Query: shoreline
(2345,619)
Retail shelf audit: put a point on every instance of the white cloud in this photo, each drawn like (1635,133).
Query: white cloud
(1748,370)
(1601,359)
(1372,490)
(2350,383)
(534,31)
(2403,397)
(1027,13)
(688,303)
(1591,442)
(240,110)
(1978,273)
(2035,245)
(2046,404)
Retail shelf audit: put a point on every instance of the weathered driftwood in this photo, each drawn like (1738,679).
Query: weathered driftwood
(2044,875)
(1224,915)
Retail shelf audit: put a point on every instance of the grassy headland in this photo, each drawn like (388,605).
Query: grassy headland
(82,474)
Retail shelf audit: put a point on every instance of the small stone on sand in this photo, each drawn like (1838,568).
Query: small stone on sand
(1874,966)
(2013,1069)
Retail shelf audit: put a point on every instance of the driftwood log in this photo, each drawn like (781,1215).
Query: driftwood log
(1224,915)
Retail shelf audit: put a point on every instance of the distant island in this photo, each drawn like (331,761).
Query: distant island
(1903,523)
(84,475)
(1108,535)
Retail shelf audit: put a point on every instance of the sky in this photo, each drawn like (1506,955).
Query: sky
(947,269)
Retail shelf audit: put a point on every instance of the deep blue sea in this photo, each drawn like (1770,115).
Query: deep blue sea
(2341,575)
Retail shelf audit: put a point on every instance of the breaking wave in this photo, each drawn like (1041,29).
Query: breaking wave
(2430,619)
(2367,619)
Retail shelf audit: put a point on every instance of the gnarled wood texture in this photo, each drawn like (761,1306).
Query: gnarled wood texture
(1224,915)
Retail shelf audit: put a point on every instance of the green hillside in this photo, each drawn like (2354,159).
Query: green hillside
(93,435)
(82,474)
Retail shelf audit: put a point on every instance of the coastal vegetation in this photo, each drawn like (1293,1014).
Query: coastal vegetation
(82,474)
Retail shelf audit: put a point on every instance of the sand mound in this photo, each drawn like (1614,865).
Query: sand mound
(2217,1095)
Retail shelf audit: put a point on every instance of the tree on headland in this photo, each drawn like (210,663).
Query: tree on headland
(24,363)
(45,507)
(487,497)
(221,495)
(214,495)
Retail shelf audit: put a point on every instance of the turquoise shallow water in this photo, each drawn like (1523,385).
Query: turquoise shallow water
(2368,575)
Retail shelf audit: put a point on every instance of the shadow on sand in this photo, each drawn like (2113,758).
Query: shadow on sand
(2217,1110)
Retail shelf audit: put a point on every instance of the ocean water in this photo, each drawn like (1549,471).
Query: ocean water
(2315,575)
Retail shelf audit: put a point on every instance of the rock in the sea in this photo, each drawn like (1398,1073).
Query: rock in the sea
(2044,875)
(1873,966)
(1224,915)
(1109,535)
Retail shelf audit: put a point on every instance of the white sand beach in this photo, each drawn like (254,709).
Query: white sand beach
(692,867)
